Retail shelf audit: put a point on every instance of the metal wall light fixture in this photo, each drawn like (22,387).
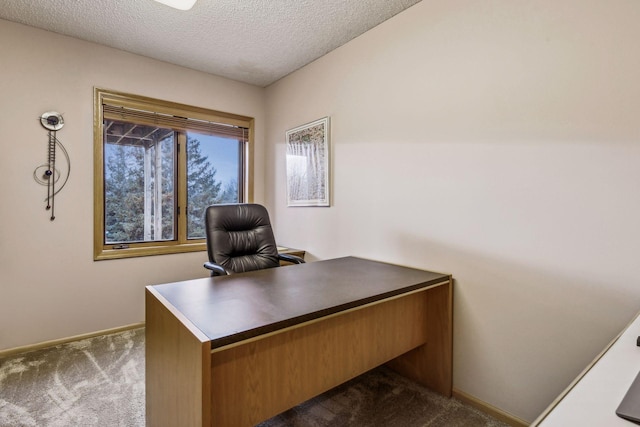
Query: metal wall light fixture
(51,174)
(178,4)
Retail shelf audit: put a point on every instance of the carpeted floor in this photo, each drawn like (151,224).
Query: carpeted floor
(92,382)
(100,382)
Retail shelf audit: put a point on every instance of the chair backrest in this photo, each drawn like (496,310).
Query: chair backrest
(240,237)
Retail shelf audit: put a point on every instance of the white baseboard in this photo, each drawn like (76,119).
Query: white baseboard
(496,413)
(53,343)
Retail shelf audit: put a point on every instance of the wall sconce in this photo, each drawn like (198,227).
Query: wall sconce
(50,174)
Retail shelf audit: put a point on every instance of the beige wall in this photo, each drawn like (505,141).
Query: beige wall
(50,287)
(496,140)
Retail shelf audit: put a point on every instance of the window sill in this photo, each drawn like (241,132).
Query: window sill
(140,251)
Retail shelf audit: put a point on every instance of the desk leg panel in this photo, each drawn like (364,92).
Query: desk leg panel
(256,380)
(432,363)
(177,369)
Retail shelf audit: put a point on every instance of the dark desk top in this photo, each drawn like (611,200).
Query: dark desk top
(234,308)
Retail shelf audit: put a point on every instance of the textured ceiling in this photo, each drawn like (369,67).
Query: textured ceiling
(253,41)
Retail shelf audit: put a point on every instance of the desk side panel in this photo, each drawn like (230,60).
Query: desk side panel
(432,363)
(254,381)
(177,369)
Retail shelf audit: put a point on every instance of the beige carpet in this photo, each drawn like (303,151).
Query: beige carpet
(100,382)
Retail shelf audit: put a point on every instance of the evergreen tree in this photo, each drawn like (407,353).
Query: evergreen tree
(115,175)
(124,191)
(124,194)
(230,193)
(202,188)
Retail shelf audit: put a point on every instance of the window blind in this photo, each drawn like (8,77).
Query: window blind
(138,116)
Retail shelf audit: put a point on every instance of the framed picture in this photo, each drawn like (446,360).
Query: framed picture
(308,164)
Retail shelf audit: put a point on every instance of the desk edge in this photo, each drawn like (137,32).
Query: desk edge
(201,336)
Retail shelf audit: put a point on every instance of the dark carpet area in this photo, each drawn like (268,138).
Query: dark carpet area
(100,382)
(381,398)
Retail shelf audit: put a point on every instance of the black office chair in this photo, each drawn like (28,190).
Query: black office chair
(240,238)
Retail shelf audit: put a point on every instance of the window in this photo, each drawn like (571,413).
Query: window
(158,165)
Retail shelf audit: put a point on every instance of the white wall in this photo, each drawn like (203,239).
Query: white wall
(498,141)
(50,287)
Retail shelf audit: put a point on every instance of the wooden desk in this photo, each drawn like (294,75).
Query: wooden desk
(290,251)
(593,397)
(237,350)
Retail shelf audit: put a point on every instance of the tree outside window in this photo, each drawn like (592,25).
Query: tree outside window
(157,172)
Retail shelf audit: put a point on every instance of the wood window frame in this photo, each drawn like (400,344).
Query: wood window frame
(176,113)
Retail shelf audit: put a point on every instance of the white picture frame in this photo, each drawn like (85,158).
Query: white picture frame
(308,162)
